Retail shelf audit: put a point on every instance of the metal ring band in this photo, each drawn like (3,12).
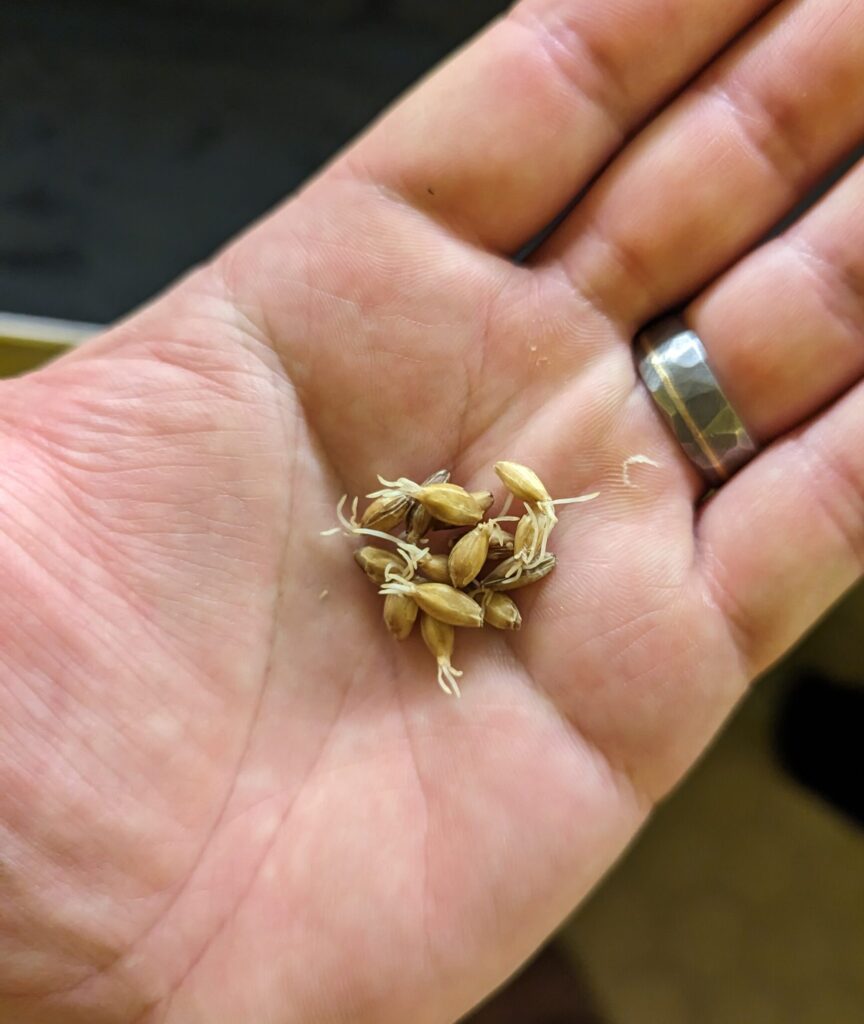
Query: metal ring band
(674,366)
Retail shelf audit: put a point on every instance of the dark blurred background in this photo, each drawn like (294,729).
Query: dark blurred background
(137,136)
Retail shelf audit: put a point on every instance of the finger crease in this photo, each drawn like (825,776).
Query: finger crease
(571,53)
(840,290)
(845,509)
(770,136)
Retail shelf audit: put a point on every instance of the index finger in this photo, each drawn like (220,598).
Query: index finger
(499,140)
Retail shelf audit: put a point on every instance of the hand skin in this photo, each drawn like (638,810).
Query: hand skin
(225,799)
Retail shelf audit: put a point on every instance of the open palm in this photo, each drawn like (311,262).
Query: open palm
(228,794)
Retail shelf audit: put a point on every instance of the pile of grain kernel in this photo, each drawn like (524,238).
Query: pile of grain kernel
(469,586)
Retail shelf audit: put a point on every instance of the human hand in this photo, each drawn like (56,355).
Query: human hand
(227,800)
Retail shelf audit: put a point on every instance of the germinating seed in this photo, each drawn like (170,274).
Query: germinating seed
(451,504)
(385,512)
(439,638)
(512,573)
(499,610)
(447,604)
(417,522)
(484,499)
(435,568)
(522,482)
(529,535)
(418,519)
(376,561)
(437,593)
(468,556)
(400,613)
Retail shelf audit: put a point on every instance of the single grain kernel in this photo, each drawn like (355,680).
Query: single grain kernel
(484,499)
(522,482)
(376,561)
(439,638)
(440,601)
(385,512)
(448,605)
(450,503)
(400,613)
(513,573)
(530,531)
(499,610)
(435,568)
(468,555)
(349,526)
(418,519)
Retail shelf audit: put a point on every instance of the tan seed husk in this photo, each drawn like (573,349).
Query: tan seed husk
(500,542)
(496,554)
(468,556)
(499,580)
(447,605)
(417,522)
(498,536)
(484,499)
(450,503)
(522,482)
(439,638)
(526,531)
(374,562)
(500,611)
(400,613)
(529,532)
(435,568)
(418,519)
(385,512)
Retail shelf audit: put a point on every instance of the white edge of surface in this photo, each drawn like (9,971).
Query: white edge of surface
(40,330)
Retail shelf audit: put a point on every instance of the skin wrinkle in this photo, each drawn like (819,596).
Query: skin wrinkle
(284,818)
(300,412)
(623,775)
(464,459)
(452,225)
(720,596)
(829,463)
(576,731)
(421,787)
(277,610)
(462,442)
(636,273)
(840,293)
(607,95)
(127,599)
(73,770)
(831,22)
(766,135)
(59,666)
(219,816)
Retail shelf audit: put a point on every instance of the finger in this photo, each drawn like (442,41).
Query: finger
(784,539)
(785,327)
(722,164)
(505,134)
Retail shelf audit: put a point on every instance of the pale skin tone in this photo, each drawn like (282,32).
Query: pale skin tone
(224,799)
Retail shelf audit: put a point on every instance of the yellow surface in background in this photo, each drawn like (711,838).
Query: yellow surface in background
(18,356)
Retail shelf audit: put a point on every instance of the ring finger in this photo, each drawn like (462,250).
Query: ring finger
(784,331)
(785,325)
